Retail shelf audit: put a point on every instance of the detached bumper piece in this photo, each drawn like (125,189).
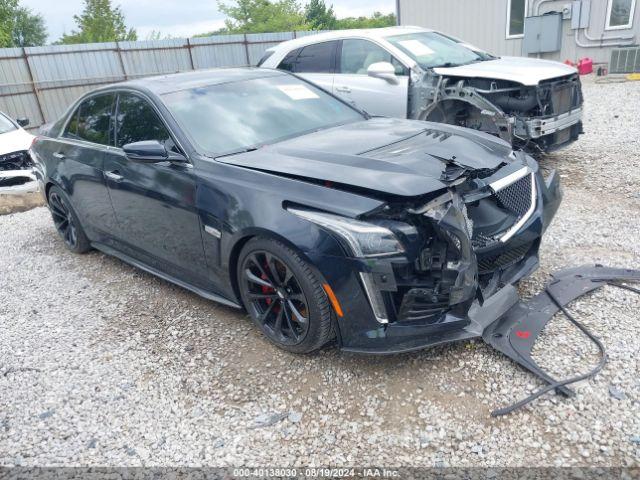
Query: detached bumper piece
(16,173)
(517,330)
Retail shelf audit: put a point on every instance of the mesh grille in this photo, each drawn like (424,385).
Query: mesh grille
(516,197)
(493,262)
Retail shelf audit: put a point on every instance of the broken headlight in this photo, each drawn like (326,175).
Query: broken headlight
(362,239)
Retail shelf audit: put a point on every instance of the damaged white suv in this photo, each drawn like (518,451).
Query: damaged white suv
(412,72)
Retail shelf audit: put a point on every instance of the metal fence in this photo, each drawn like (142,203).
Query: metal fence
(40,82)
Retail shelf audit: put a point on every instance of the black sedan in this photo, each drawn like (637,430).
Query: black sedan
(257,189)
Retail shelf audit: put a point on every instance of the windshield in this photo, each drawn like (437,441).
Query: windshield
(432,49)
(230,117)
(6,125)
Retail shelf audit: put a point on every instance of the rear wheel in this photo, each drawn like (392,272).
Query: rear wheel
(284,296)
(66,222)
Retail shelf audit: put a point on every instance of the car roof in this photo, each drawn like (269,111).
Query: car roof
(162,84)
(375,33)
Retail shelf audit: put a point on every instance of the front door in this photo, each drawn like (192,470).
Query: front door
(154,203)
(374,95)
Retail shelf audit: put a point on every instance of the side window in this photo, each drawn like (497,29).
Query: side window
(92,120)
(72,127)
(317,58)
(137,121)
(289,61)
(357,55)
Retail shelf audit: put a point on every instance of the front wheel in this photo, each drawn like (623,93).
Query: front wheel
(284,296)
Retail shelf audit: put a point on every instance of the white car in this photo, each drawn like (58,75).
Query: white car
(15,161)
(412,72)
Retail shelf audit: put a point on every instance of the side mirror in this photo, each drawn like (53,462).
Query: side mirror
(383,70)
(150,151)
(22,121)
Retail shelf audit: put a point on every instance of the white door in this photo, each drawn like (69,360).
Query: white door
(376,96)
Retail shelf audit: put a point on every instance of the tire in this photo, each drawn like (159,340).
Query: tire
(279,290)
(66,221)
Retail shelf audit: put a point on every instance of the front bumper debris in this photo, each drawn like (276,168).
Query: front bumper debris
(515,331)
(18,181)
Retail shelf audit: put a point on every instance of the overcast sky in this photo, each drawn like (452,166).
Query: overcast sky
(178,18)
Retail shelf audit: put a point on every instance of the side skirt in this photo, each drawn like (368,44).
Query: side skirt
(131,261)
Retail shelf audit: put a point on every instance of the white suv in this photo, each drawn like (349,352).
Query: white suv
(412,72)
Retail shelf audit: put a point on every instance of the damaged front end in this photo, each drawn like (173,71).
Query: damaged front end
(537,118)
(16,170)
(462,249)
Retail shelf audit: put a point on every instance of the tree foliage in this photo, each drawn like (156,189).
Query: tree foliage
(260,16)
(100,21)
(19,26)
(29,29)
(377,20)
(319,16)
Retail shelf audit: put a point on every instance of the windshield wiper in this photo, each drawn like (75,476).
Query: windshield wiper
(236,152)
(447,65)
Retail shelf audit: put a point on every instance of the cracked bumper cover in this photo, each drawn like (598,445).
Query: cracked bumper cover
(360,331)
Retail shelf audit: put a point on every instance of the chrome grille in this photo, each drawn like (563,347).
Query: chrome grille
(516,197)
(515,194)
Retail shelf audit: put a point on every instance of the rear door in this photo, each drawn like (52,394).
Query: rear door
(80,152)
(315,63)
(154,203)
(374,95)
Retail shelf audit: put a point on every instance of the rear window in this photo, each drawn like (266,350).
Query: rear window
(316,58)
(92,120)
(264,58)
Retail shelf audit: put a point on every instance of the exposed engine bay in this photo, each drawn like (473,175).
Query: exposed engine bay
(535,118)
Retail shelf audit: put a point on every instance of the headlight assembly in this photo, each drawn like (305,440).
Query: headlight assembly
(364,240)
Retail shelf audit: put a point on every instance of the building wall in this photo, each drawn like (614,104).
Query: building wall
(484,22)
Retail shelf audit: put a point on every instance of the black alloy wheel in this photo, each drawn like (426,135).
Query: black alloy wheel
(66,222)
(284,296)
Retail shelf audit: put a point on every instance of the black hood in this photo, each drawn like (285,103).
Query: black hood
(400,157)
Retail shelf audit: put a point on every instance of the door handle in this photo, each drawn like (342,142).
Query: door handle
(343,89)
(59,155)
(114,175)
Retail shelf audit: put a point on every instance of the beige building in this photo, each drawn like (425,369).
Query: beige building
(554,29)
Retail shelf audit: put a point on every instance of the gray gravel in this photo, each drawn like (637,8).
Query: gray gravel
(101,364)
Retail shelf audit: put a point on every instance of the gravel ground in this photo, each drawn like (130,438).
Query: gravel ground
(102,364)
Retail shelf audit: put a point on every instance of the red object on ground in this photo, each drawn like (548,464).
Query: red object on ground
(585,66)
(570,63)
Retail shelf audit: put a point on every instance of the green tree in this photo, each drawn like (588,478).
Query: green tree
(377,20)
(29,29)
(7,21)
(19,26)
(260,16)
(100,21)
(319,17)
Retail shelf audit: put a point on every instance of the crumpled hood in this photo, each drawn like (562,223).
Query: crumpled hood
(400,157)
(14,141)
(527,71)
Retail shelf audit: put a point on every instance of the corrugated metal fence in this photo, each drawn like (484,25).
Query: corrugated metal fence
(40,82)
